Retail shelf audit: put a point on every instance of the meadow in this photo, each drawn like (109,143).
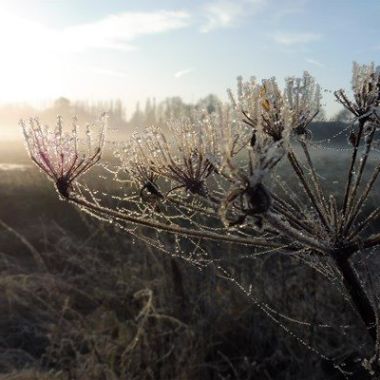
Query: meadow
(189,190)
(81,299)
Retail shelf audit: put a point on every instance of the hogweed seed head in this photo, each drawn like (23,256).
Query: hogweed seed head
(303,102)
(247,104)
(248,195)
(366,91)
(61,154)
(275,113)
(137,162)
(223,159)
(182,155)
(272,114)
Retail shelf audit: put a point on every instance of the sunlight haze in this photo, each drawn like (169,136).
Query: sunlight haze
(86,50)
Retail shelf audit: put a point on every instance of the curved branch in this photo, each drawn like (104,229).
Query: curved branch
(257,242)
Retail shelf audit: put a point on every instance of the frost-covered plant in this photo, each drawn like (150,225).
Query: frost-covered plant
(60,153)
(211,178)
(365,88)
(184,160)
(248,196)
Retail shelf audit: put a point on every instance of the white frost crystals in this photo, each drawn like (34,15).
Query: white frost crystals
(248,197)
(303,101)
(208,173)
(278,113)
(366,91)
(61,154)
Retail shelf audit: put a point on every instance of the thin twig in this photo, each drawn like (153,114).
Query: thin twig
(298,170)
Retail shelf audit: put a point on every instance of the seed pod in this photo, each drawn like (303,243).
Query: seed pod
(63,187)
(253,139)
(259,199)
(352,138)
(151,188)
(299,130)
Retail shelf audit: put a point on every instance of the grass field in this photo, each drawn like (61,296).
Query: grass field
(81,300)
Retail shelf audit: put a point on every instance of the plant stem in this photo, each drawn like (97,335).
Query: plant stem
(315,202)
(366,192)
(350,173)
(358,296)
(290,232)
(317,184)
(351,208)
(207,235)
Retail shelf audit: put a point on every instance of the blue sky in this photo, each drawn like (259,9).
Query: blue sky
(131,50)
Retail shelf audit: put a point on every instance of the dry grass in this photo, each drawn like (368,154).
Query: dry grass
(107,307)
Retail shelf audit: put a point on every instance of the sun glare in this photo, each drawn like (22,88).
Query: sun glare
(29,62)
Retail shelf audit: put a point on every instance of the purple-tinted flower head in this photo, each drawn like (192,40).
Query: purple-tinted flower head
(61,154)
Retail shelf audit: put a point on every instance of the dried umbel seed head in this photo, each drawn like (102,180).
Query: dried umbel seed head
(258,199)
(182,156)
(151,187)
(138,165)
(272,104)
(243,202)
(61,155)
(302,103)
(247,101)
(276,113)
(193,174)
(248,195)
(227,136)
(366,91)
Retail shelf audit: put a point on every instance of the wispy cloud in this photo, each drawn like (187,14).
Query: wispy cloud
(289,39)
(181,73)
(315,62)
(228,13)
(117,31)
(40,57)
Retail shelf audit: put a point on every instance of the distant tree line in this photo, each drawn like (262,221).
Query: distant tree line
(151,113)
